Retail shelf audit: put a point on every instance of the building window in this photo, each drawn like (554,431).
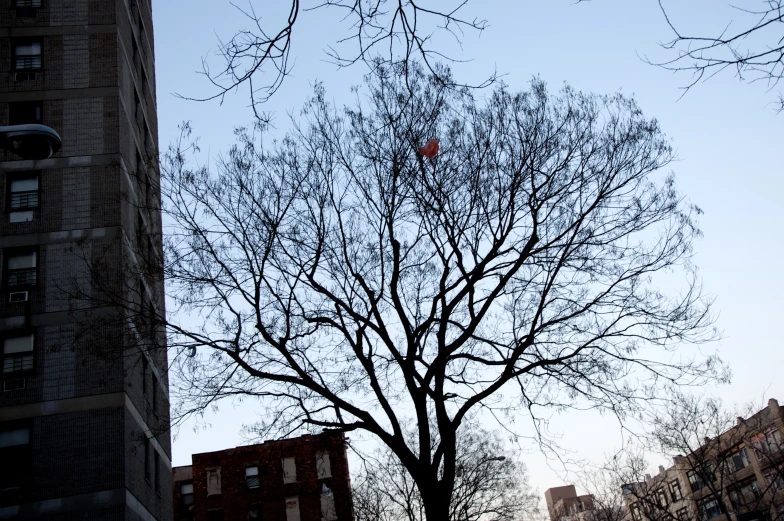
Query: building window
(328,512)
(21,269)
(252,477)
(323,469)
(709,508)
(27,55)
(186,493)
(661,498)
(156,468)
(154,395)
(636,513)
(145,370)
(769,442)
(745,493)
(253,513)
(147,461)
(15,455)
(25,113)
(289,470)
(26,8)
(23,192)
(292,509)
(737,460)
(775,479)
(214,515)
(683,514)
(23,4)
(699,477)
(213,481)
(18,353)
(675,490)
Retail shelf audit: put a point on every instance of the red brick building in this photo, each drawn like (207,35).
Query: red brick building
(299,479)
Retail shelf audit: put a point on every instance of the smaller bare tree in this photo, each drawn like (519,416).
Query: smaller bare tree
(714,450)
(491,484)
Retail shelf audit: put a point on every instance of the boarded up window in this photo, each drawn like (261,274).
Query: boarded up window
(213,481)
(327,505)
(292,509)
(289,471)
(323,469)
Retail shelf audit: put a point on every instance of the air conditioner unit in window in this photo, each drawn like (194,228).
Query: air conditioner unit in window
(14,385)
(17,296)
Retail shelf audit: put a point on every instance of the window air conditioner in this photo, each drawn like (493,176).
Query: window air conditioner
(17,296)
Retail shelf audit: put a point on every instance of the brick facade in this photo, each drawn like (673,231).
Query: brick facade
(315,490)
(79,420)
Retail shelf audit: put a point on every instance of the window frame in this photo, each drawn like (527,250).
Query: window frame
(701,506)
(675,484)
(19,458)
(18,42)
(17,333)
(214,471)
(183,495)
(22,176)
(17,112)
(9,253)
(249,478)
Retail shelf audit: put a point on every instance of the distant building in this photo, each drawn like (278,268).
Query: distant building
(738,476)
(298,479)
(563,502)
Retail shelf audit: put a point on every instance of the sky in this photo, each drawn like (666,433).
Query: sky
(727,134)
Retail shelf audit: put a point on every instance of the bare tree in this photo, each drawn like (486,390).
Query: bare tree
(349,283)
(491,484)
(754,51)
(400,30)
(714,450)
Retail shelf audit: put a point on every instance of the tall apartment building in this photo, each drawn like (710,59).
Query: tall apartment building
(736,476)
(297,479)
(84,398)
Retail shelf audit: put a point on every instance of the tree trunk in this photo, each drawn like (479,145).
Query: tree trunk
(436,502)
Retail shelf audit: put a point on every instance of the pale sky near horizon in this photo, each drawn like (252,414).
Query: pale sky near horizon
(725,133)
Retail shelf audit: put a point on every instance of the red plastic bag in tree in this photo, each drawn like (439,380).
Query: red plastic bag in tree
(430,149)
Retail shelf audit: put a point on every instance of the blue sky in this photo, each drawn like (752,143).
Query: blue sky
(728,136)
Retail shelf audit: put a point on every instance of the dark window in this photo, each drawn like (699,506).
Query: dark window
(709,508)
(25,113)
(214,515)
(186,493)
(154,394)
(156,464)
(21,4)
(26,8)
(147,460)
(683,514)
(661,498)
(15,455)
(253,513)
(252,476)
(745,493)
(700,477)
(675,490)
(737,460)
(23,191)
(145,368)
(27,55)
(18,353)
(21,269)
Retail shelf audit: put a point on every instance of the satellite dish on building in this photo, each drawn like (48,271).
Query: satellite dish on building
(30,141)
